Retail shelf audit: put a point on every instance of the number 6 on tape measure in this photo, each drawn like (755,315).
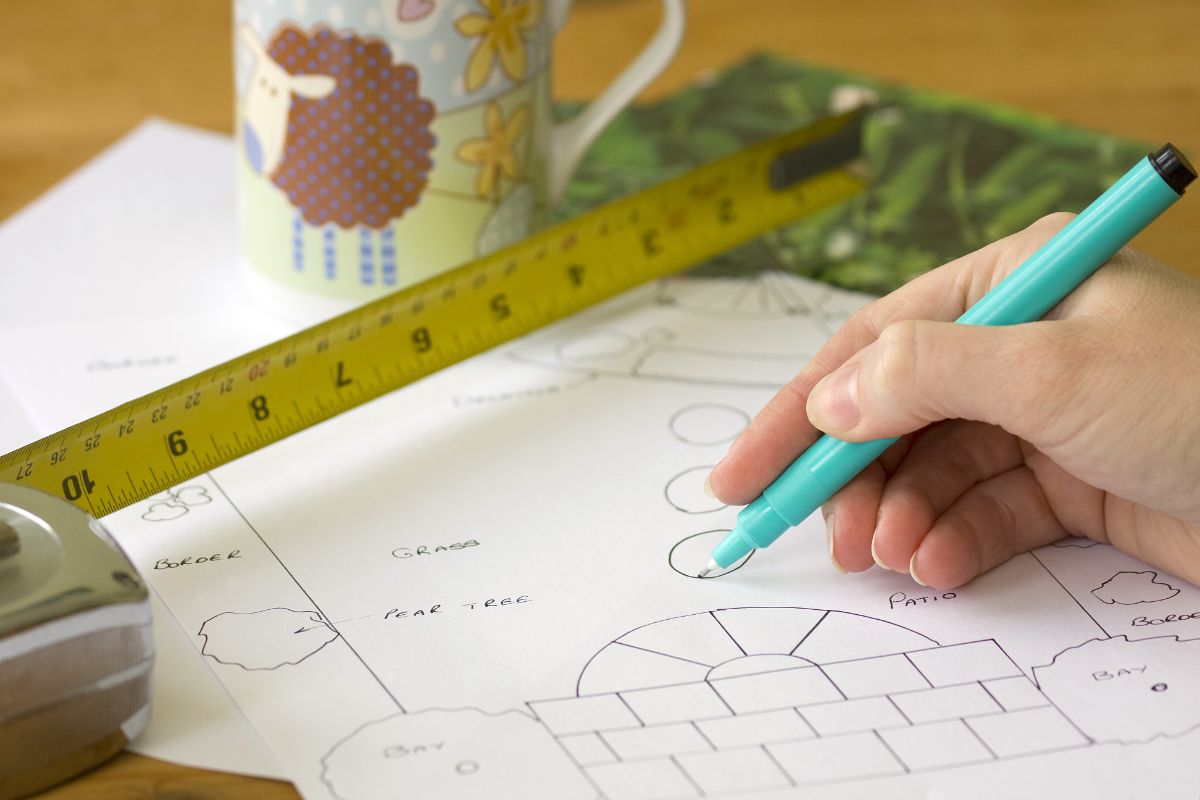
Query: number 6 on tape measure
(150,444)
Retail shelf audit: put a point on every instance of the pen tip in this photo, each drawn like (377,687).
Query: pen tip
(712,567)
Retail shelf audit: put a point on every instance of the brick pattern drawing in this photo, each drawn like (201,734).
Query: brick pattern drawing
(780,697)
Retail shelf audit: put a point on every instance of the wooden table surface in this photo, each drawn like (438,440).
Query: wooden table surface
(77,74)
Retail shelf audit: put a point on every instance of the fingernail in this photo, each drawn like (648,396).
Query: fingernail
(708,487)
(912,571)
(829,536)
(835,400)
(878,561)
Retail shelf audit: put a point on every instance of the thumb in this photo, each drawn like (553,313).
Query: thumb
(918,372)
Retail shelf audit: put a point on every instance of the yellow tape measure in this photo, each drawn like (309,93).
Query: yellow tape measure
(150,444)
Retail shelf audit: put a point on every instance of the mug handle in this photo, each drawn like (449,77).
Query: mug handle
(569,140)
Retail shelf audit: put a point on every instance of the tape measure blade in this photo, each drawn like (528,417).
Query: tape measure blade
(146,446)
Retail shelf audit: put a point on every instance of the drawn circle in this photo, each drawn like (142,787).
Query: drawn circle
(596,345)
(708,423)
(690,556)
(686,492)
(756,665)
(658,335)
(466,767)
(1158,687)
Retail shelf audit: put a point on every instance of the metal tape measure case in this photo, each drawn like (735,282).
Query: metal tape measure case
(75,643)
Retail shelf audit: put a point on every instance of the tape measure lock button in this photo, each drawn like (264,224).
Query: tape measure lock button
(75,643)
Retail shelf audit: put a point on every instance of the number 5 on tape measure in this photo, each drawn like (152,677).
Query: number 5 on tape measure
(150,444)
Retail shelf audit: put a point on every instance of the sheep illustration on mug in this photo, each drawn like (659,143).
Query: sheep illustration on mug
(343,132)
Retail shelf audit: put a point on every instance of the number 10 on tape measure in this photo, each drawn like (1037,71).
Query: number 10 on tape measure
(148,445)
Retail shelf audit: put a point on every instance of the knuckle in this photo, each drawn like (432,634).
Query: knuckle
(995,542)
(789,402)
(868,315)
(1050,224)
(862,327)
(957,460)
(1023,244)
(1003,519)
(994,262)
(898,363)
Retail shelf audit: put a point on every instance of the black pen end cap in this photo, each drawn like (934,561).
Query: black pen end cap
(1173,167)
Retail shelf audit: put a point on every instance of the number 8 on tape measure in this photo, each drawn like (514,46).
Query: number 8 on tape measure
(75,597)
(149,444)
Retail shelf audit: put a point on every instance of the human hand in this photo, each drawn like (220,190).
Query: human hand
(1085,423)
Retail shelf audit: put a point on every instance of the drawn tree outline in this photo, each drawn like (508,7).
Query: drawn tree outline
(175,503)
(515,759)
(301,655)
(1106,707)
(1125,587)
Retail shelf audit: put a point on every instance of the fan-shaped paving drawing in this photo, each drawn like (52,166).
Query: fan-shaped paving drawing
(711,639)
(766,294)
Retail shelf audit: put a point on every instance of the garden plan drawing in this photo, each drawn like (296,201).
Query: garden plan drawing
(483,586)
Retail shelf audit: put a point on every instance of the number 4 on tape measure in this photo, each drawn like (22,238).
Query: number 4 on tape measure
(150,444)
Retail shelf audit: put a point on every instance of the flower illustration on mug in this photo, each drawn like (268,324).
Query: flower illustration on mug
(501,30)
(494,153)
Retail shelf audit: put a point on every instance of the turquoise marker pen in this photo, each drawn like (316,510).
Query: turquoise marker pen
(1036,286)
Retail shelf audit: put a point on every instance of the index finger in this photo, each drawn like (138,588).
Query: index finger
(781,430)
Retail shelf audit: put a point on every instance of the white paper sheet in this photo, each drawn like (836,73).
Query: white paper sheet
(480,586)
(16,428)
(64,381)
(115,282)
(146,229)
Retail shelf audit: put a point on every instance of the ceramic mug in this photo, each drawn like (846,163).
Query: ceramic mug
(380,142)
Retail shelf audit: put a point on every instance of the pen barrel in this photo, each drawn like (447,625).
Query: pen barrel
(1033,288)
(1078,250)
(820,471)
